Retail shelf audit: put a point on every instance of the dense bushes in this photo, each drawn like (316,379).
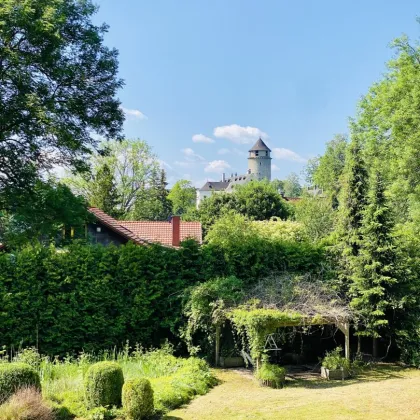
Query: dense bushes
(103,385)
(95,297)
(15,376)
(137,398)
(271,375)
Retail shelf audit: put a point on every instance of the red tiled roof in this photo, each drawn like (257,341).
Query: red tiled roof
(161,232)
(116,226)
(145,232)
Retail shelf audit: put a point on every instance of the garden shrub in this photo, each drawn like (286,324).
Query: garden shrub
(14,376)
(137,398)
(103,384)
(271,375)
(192,378)
(334,360)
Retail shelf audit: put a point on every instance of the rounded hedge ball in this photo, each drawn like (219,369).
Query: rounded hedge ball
(137,399)
(103,385)
(14,376)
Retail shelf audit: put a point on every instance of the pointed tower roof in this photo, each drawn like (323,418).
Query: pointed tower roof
(260,145)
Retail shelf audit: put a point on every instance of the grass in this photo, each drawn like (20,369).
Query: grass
(175,381)
(383,392)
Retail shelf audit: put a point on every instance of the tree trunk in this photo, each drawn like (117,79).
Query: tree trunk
(375,347)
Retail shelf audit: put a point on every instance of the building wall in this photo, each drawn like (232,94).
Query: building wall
(202,195)
(260,166)
(105,237)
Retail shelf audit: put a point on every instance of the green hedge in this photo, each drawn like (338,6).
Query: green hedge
(103,385)
(14,376)
(94,297)
(137,399)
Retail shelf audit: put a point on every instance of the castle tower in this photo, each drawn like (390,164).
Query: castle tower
(259,161)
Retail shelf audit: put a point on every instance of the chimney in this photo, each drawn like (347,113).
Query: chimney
(176,230)
(223,177)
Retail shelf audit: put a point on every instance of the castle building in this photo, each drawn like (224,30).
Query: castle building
(259,168)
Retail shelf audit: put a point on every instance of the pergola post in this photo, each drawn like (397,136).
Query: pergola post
(345,329)
(217,350)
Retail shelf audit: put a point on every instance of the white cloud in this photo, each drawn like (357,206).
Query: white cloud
(239,134)
(217,166)
(191,156)
(223,151)
(274,167)
(201,138)
(135,113)
(164,165)
(287,154)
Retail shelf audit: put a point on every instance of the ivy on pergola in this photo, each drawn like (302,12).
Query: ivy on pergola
(259,323)
(278,302)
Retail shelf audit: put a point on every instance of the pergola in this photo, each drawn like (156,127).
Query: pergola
(259,323)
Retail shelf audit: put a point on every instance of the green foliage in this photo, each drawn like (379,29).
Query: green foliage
(14,376)
(280,230)
(272,375)
(334,360)
(51,100)
(40,214)
(103,385)
(137,398)
(206,307)
(374,270)
(152,201)
(192,378)
(316,216)
(258,323)
(256,200)
(120,178)
(182,197)
(291,186)
(330,167)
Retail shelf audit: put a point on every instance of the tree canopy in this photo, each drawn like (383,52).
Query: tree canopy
(58,85)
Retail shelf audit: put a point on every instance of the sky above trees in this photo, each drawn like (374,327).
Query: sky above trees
(205,79)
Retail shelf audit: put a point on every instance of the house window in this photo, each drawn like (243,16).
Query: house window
(98,229)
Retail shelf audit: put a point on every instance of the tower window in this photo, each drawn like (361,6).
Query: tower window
(256,153)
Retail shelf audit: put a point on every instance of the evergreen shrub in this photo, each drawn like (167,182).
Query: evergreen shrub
(14,376)
(103,385)
(137,399)
(271,375)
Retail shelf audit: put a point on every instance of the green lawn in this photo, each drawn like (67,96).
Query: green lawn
(383,392)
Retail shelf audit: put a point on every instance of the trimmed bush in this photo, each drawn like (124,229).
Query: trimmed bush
(14,376)
(137,398)
(103,385)
(271,375)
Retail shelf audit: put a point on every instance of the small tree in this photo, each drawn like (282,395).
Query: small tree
(292,187)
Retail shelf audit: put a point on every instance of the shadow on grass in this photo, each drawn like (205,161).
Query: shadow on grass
(375,373)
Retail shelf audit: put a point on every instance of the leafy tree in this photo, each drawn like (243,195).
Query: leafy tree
(260,201)
(292,187)
(327,173)
(41,214)
(152,201)
(257,200)
(316,215)
(182,197)
(58,86)
(133,167)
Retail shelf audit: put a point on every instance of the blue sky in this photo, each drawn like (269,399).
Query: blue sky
(205,78)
